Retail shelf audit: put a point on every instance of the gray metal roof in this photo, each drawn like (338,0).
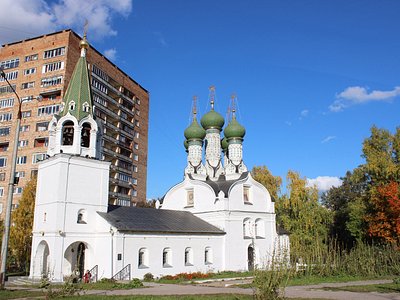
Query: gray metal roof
(151,220)
(222,184)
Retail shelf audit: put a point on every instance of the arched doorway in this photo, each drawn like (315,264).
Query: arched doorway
(250,258)
(68,133)
(75,259)
(40,264)
(81,259)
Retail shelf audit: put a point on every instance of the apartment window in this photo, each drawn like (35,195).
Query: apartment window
(21,160)
(31,57)
(136,134)
(136,157)
(124,115)
(34,173)
(54,52)
(134,181)
(123,190)
(42,126)
(3,162)
(124,164)
(26,114)
(50,81)
(208,256)
(143,258)
(134,193)
(54,66)
(27,99)
(41,142)
(7,103)
(30,71)
(167,258)
(9,64)
(48,110)
(18,190)
(3,147)
(137,123)
(24,128)
(99,99)
(124,177)
(20,174)
(188,256)
(137,101)
(7,89)
(100,86)
(5,117)
(27,85)
(23,143)
(135,169)
(2,176)
(4,131)
(99,72)
(38,157)
(1,194)
(9,76)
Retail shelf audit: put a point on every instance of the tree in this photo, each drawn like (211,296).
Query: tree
(21,229)
(271,182)
(300,212)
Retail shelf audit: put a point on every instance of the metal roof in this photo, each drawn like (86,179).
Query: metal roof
(222,184)
(151,220)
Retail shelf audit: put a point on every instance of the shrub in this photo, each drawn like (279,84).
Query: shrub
(148,277)
(135,283)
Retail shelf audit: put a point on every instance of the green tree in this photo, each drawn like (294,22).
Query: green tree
(271,182)
(300,212)
(21,229)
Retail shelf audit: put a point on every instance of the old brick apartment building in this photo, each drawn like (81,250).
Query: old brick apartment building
(40,68)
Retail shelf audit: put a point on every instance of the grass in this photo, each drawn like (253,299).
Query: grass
(315,279)
(14,294)
(380,288)
(139,297)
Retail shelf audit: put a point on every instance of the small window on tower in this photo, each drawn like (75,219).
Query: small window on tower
(190,198)
(246,195)
(72,105)
(81,217)
(86,107)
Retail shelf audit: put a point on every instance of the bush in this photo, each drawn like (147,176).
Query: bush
(135,283)
(148,277)
(185,276)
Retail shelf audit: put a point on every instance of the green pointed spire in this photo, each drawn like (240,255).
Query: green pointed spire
(78,96)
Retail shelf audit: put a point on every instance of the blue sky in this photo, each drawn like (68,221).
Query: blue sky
(311,77)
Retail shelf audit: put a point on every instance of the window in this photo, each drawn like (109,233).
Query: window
(4,131)
(50,81)
(21,160)
(20,174)
(134,181)
(72,105)
(4,146)
(27,99)
(3,162)
(18,190)
(86,107)
(2,176)
(100,86)
(246,228)
(208,256)
(31,57)
(48,110)
(54,66)
(136,146)
(188,256)
(5,117)
(26,114)
(29,71)
(34,173)
(246,194)
(99,72)
(124,177)
(27,85)
(135,169)
(23,143)
(99,99)
(167,258)
(7,89)
(85,135)
(1,191)
(42,126)
(7,103)
(137,123)
(136,134)
(54,52)
(38,157)
(9,76)
(134,193)
(68,133)
(259,228)
(136,157)
(82,218)
(9,64)
(143,258)
(24,128)
(119,256)
(190,197)
(124,164)
(41,142)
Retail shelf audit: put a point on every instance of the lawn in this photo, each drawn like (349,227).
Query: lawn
(380,288)
(14,294)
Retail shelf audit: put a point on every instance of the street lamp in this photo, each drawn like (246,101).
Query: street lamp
(7,221)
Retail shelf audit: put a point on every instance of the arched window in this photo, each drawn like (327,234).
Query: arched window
(85,135)
(188,256)
(208,256)
(259,228)
(71,105)
(246,228)
(167,258)
(68,133)
(143,258)
(86,107)
(82,218)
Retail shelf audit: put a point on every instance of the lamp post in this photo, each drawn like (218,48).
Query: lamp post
(7,221)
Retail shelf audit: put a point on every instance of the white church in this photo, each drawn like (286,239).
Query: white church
(217,219)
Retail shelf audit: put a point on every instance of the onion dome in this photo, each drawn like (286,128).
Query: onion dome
(186,144)
(84,43)
(212,119)
(194,131)
(224,144)
(234,130)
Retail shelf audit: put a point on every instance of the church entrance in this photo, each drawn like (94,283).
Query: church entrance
(75,259)
(40,267)
(81,259)
(250,258)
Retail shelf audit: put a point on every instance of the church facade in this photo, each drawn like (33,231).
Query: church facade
(218,218)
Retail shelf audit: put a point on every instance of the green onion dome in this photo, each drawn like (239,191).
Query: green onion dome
(194,131)
(212,119)
(234,130)
(224,144)
(186,144)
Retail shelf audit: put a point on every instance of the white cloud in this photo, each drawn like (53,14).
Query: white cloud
(111,54)
(324,183)
(328,139)
(27,18)
(356,95)
(304,113)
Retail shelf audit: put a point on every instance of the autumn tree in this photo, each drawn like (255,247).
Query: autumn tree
(300,212)
(21,229)
(271,182)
